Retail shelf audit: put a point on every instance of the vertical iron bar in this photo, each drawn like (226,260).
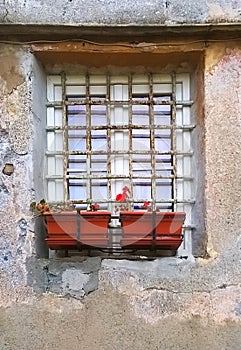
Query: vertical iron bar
(130,136)
(65,137)
(108,110)
(88,139)
(152,143)
(174,142)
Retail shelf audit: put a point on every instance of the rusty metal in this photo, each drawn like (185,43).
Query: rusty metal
(174,141)
(109,153)
(119,102)
(65,138)
(88,138)
(108,140)
(130,136)
(152,144)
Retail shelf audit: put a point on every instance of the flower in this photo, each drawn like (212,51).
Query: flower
(39,207)
(123,198)
(94,207)
(126,190)
(147,205)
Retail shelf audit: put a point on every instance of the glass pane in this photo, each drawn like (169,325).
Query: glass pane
(76,164)
(58,141)
(162,88)
(120,164)
(58,117)
(164,189)
(141,189)
(99,140)
(77,189)
(51,166)
(59,165)
(98,115)
(119,115)
(140,115)
(141,140)
(79,90)
(98,164)
(162,115)
(54,141)
(141,166)
(59,190)
(163,140)
(119,92)
(77,140)
(120,140)
(76,115)
(57,92)
(163,165)
(99,189)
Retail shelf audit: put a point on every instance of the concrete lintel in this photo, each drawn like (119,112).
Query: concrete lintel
(108,32)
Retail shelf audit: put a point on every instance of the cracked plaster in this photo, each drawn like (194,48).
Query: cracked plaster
(154,305)
(109,12)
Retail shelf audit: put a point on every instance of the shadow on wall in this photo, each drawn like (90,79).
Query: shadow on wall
(41,248)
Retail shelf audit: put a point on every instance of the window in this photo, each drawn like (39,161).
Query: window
(105,131)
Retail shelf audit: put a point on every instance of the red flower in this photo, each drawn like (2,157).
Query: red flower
(146,204)
(95,207)
(121,197)
(39,207)
(125,189)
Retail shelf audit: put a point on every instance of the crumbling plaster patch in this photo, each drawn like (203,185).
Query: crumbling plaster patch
(15,78)
(223,11)
(158,290)
(16,188)
(10,76)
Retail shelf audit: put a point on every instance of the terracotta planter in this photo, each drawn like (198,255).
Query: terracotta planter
(61,229)
(152,230)
(94,228)
(77,229)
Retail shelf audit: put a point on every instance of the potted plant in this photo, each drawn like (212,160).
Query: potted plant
(75,228)
(148,228)
(61,225)
(93,227)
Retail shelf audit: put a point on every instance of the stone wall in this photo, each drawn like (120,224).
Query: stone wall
(94,303)
(111,12)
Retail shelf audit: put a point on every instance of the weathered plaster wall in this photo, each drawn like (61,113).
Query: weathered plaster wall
(222,106)
(107,12)
(15,187)
(74,303)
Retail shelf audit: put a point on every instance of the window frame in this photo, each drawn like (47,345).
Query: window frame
(54,81)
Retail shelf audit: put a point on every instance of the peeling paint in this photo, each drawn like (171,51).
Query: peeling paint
(119,304)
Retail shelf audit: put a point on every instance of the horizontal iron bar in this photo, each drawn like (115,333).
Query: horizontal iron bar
(121,177)
(105,101)
(76,153)
(101,201)
(123,127)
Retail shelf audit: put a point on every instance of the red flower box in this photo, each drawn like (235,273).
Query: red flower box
(75,229)
(157,230)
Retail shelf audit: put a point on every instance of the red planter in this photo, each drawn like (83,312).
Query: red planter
(61,229)
(155,230)
(76,229)
(94,228)
(141,230)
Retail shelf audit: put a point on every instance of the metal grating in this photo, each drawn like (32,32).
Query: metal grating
(108,131)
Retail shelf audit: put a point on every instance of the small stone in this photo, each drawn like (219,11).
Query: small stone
(8,169)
